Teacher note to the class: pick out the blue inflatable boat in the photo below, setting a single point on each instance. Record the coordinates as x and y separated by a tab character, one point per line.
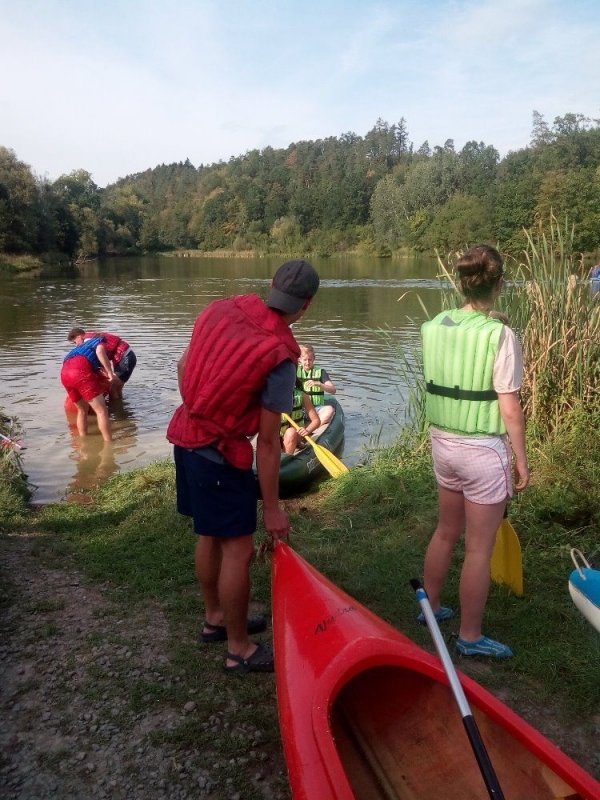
584	588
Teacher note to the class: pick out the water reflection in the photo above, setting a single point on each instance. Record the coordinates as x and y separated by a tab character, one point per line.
96	463
96	460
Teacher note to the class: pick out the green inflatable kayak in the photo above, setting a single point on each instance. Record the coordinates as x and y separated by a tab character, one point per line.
301	468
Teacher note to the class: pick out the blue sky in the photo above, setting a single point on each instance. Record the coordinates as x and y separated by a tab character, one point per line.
118	86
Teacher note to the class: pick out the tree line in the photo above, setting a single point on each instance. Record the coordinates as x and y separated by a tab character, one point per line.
372	194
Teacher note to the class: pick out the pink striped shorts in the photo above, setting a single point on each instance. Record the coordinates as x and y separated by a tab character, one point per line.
479	467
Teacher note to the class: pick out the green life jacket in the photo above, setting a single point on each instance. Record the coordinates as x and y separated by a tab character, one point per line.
297	413
316	393
459	350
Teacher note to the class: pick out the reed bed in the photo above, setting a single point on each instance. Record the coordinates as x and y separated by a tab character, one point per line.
558	319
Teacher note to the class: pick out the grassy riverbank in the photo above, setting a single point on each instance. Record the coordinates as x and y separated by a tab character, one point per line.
14	492
368	533
400	252
32	266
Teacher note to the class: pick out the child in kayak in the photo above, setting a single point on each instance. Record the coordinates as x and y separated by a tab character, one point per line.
315	382
305	414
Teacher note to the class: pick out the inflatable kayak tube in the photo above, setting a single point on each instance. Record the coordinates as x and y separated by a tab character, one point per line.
584	588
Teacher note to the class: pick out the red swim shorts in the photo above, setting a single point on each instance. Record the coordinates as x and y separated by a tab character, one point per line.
80	380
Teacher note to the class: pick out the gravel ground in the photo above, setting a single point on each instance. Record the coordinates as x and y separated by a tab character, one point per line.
82	700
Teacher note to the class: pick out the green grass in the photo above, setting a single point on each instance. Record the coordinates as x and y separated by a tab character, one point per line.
14	492
367	532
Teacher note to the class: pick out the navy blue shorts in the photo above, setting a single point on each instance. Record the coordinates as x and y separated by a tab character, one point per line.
126	365
221	499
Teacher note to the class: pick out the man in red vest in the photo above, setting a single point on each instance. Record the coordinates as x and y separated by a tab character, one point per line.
236	378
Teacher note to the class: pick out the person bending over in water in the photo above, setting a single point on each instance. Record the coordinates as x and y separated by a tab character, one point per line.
87	375
119	352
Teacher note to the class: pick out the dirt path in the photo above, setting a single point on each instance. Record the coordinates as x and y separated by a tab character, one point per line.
86	700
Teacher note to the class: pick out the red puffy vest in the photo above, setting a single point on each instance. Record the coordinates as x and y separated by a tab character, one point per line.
235	344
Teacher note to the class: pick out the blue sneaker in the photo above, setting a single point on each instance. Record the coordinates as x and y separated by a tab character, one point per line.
441	615
483	647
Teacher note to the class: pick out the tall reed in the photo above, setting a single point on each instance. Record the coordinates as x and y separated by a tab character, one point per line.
558	320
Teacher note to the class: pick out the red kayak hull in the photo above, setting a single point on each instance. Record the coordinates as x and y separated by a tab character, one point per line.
338	662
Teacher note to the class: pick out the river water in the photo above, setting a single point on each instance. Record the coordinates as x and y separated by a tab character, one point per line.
357	322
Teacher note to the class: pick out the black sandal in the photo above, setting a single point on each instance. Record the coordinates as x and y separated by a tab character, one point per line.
261	660
218	633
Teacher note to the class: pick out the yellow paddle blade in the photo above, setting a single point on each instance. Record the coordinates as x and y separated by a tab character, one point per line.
507	565
332	463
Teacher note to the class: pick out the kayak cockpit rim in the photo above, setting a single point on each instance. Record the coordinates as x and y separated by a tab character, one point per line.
390	717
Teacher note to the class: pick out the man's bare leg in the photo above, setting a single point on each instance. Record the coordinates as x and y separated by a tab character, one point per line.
234	593
208	567
82	417
325	413
99	406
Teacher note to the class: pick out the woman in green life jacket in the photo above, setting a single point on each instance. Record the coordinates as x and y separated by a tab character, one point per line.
473	368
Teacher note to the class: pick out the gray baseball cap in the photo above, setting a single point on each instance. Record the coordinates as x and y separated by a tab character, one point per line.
293	284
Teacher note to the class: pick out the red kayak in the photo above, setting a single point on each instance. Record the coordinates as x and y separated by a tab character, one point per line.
365	713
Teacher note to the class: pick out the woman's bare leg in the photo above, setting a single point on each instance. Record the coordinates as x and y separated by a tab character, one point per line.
480	537
451	523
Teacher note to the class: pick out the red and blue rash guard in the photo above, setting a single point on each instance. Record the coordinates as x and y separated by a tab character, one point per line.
88	350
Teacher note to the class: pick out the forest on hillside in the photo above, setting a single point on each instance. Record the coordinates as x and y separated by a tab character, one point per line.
374	194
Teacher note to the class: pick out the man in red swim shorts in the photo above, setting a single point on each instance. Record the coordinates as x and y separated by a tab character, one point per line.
86	375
